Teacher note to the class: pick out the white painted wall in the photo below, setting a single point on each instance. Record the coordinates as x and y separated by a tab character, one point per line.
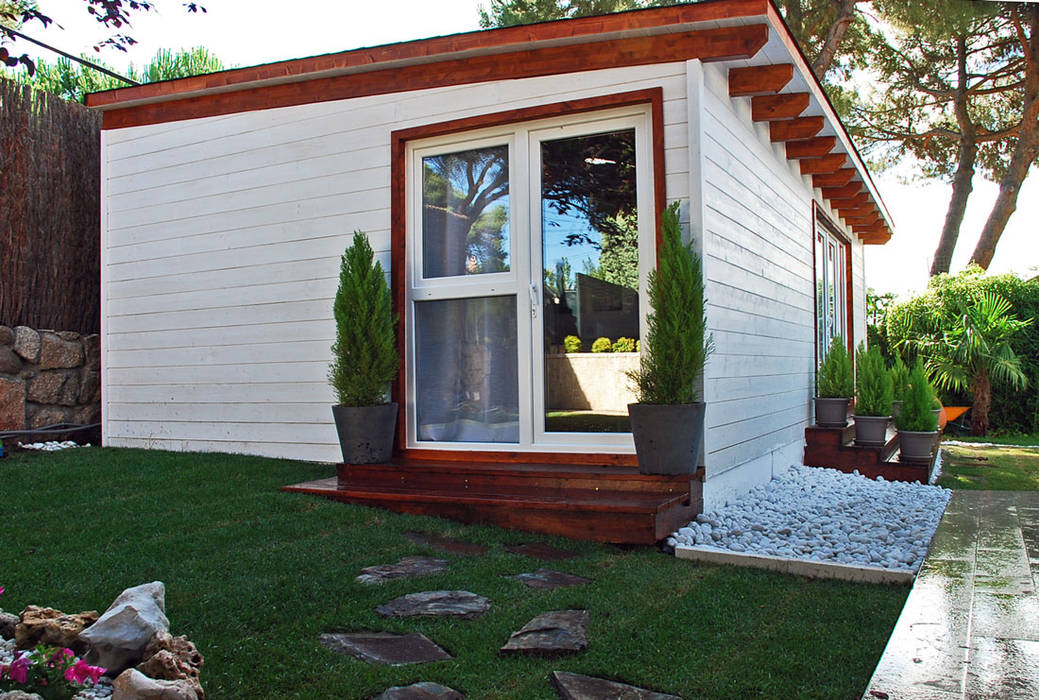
755	222
221	248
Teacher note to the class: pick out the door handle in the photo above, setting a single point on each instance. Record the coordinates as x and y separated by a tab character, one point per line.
534	303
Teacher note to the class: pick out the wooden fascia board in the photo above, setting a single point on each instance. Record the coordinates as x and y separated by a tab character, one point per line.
801	63
723	43
823	164
759	80
788	105
810	148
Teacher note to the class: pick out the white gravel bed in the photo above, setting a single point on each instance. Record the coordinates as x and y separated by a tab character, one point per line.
826	515
52	446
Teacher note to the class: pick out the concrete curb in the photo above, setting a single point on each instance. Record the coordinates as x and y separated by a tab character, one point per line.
797	567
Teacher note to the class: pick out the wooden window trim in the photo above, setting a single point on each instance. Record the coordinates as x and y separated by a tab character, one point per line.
654	97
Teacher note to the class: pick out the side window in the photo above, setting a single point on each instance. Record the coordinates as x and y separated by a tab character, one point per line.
831	286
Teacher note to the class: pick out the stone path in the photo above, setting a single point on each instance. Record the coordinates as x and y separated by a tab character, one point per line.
405	568
537	550
385	648
547	579
970	627
551	634
463	604
574	686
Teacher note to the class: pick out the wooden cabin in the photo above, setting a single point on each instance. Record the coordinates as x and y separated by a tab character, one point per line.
511	181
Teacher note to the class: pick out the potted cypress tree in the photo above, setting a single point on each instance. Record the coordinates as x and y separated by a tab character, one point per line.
899	381
834	386
667	422
873	397
364	357
917	424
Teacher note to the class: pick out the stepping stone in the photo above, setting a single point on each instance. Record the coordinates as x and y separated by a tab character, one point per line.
437	604
420	691
446	544
547	579
406	567
385	648
551	634
537	550
574	686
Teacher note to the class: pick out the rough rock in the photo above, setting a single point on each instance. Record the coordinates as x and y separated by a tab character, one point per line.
173	658
6	335
86	415
385	648
49	626
8	622
19	695
550	634
420	691
27	343
54	388
574	686
537	550
547	579
446	544
56	353
462	604
119	638
90	386
9	362
68	335
92	352
408	566
12	404
134	685
47	415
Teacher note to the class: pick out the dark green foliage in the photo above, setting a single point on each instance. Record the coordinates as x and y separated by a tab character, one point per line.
874	392
1012	410
364	354
834	380
624	345
677	343
915	413
253	575
572	343
602	345
899	377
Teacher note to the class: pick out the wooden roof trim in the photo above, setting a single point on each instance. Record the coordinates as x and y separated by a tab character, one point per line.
759	80
504	40
836	179
785	105
791	129
849	202
823	164
848	190
810	148
723	43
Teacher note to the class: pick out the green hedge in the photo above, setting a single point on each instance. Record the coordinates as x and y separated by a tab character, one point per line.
1012	411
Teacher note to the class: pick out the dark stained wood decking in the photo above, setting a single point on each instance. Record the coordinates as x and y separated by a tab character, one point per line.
834	448
605	504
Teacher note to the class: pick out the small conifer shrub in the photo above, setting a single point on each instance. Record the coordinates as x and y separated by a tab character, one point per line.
834	379
916	412
874	393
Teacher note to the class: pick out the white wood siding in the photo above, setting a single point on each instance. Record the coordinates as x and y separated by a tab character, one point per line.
221	244
757	236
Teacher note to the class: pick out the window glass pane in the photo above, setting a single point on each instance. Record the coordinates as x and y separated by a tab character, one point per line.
820	296
465	212
589	225
466	378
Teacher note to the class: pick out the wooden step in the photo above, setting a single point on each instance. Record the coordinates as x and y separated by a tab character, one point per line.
606	504
822	449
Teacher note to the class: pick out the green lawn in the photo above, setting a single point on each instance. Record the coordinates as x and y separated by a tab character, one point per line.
990	468
1026	440
253	575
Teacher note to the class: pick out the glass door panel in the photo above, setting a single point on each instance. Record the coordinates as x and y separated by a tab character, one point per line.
590	280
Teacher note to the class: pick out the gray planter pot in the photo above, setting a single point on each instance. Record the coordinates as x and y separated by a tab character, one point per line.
916	447
871	431
831	413
667	437
366	432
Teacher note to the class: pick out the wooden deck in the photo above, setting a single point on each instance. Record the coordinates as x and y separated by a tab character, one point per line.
602	503
835	448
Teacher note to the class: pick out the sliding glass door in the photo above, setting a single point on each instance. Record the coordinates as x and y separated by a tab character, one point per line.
526	246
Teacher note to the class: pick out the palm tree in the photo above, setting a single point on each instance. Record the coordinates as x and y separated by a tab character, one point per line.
974	351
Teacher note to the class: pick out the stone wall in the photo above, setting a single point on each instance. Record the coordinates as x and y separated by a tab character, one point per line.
590	381
48	377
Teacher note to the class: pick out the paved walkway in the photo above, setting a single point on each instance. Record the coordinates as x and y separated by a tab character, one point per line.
970	627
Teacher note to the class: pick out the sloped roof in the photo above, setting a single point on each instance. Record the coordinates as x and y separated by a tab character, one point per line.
749	37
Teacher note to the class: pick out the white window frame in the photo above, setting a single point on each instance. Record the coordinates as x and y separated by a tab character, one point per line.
525	253
834	277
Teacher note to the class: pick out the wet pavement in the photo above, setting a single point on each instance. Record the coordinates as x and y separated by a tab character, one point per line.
970	627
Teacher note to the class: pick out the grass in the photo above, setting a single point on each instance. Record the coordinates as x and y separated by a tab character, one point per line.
253	576
1023	440
990	468
587	422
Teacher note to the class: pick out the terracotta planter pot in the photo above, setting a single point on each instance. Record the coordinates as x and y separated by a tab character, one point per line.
831	413
366	432
667	437
871	431
916	447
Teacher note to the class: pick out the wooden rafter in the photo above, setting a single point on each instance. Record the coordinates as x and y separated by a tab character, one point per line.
837	179
759	80
791	129
848	190
850	202
786	106
810	148
823	164
862	222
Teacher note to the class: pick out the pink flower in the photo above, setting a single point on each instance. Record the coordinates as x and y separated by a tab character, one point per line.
1	590
79	672
19	670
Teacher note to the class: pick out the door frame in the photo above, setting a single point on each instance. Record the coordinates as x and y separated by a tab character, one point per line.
399	234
